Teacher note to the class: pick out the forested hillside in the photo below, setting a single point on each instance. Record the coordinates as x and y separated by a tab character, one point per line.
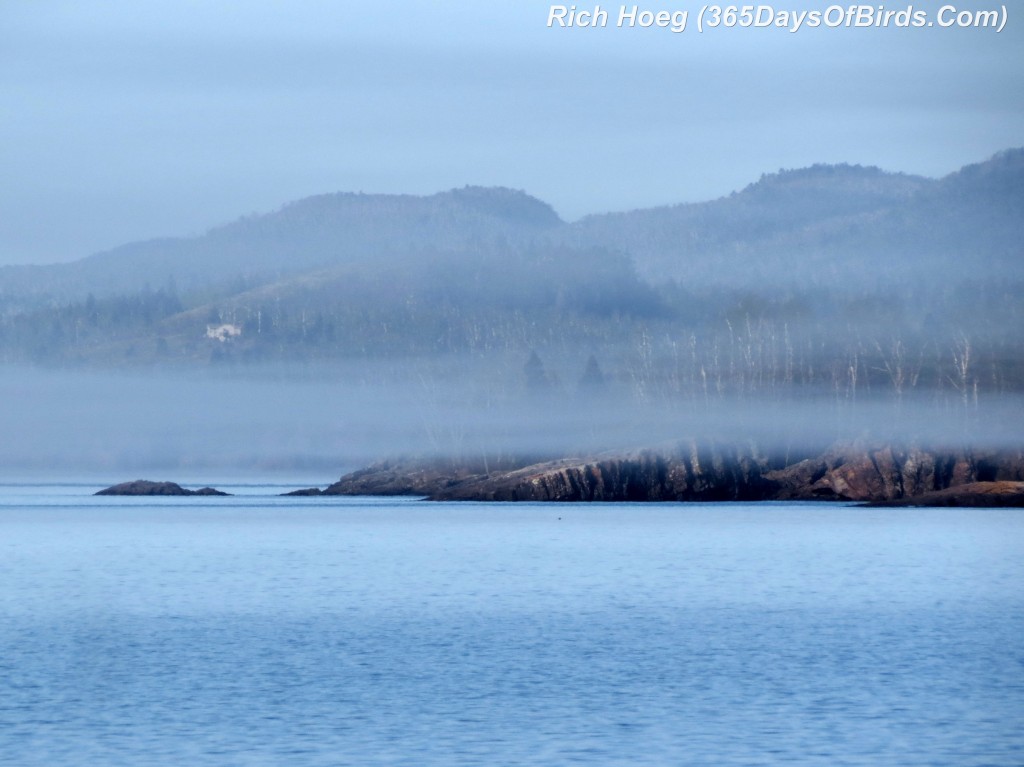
828	225
838	280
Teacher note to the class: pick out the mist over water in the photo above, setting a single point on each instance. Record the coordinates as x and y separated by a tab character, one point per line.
831	303
335	418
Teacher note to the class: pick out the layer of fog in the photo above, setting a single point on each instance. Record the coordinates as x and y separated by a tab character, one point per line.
319	425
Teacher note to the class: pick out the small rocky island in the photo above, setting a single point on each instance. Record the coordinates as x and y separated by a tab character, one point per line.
146	487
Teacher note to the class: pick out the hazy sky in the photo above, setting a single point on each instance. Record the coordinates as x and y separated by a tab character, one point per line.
124	120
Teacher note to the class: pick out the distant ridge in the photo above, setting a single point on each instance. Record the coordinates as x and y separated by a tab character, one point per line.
854	222
309	234
834	222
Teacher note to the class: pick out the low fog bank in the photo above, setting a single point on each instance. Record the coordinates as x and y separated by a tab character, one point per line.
322	422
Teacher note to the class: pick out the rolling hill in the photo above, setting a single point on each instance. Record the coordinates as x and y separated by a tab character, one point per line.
839	276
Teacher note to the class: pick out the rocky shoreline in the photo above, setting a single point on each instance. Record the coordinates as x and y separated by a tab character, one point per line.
688	471
975	495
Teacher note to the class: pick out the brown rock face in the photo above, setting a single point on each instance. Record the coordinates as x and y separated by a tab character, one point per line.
1000	494
688	471
684	472
882	473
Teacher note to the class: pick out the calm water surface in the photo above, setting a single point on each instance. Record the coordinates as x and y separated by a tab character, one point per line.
264	631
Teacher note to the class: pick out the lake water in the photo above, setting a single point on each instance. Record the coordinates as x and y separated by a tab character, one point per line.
266	631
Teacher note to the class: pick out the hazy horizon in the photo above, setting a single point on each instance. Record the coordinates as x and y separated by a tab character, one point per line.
137	123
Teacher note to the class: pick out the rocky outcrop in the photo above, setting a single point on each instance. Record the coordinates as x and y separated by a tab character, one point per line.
689	471
685	472
306	491
885	473
146	487
975	494
418	477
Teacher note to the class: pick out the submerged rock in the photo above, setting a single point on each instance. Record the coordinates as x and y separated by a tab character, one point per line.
146	487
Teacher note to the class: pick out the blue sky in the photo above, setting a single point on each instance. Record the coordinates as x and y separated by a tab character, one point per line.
129	120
